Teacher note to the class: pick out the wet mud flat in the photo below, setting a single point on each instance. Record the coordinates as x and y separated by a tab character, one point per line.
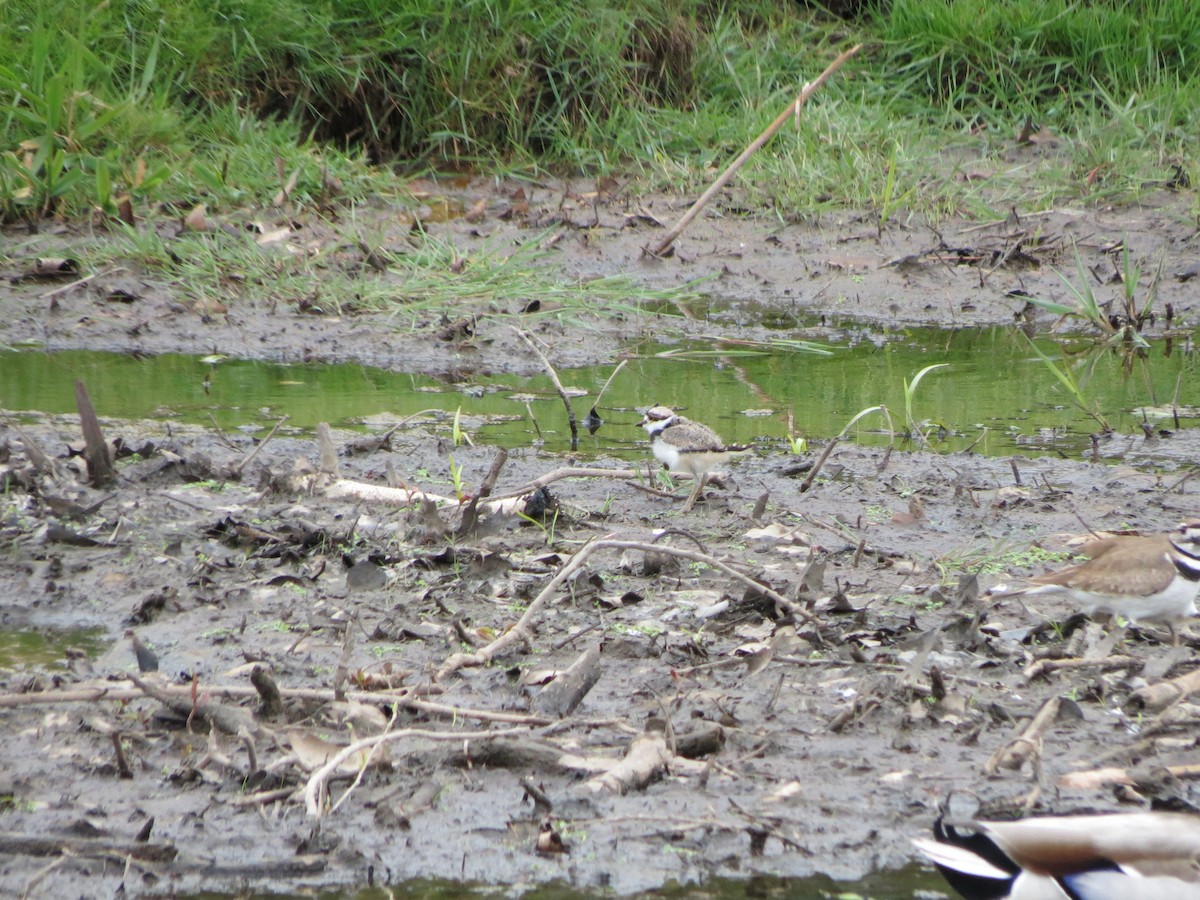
778	681
760	277
781	681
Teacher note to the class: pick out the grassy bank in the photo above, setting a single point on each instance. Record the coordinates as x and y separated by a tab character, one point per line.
228	102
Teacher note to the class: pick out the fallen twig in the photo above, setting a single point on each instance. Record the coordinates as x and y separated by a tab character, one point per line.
1164	693
237	470
12	843
1028	744
314	791
647	758
1045	666
522	631
558	385
793	109
470	516
1097	778
59	291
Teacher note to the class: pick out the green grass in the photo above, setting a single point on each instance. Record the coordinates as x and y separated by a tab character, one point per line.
426	279
164	105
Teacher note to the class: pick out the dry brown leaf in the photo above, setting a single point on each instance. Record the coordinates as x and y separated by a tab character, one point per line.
197	219
476	213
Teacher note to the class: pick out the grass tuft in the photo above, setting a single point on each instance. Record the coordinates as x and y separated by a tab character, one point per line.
176	103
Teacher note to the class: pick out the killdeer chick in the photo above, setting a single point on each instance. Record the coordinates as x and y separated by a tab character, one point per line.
686	446
1144	579
1145	855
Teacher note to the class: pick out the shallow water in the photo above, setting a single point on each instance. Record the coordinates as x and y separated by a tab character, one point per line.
995	396
25	648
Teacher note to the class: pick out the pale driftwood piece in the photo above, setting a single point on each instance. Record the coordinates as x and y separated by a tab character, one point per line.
390	496
1095	778
1042	667
558	385
327	458
314	791
522	631
561	696
1098	778
1177	716
793	109
99	460
12	843
646	760
1164	693
1027	745
506	503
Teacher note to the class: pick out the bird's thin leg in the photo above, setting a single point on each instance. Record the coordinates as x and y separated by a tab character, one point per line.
695	495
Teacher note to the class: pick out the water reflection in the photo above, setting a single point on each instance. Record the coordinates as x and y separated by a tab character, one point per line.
998	394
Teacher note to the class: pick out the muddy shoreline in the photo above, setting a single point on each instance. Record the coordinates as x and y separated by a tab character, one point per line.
836	739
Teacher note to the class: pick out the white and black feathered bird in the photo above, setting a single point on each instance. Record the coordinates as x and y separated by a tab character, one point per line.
1151	578
1132	856
686	446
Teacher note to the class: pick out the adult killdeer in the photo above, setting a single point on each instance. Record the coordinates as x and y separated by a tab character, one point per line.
1144	579
1146	855
686	446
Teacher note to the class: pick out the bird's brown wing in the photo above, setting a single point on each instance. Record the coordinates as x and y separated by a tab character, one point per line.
1137	566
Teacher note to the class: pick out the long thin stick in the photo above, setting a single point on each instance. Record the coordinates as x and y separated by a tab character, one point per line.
253	453
793	109
558	385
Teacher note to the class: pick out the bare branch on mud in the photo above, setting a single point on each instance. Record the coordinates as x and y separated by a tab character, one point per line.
314	791
1044	667
568	472
558	385
1164	693
646	760
230	719
184	692
1098	778
569	687
41	460
1028	744
1176	717
522	631
793	109
53	845
363	766
240	467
